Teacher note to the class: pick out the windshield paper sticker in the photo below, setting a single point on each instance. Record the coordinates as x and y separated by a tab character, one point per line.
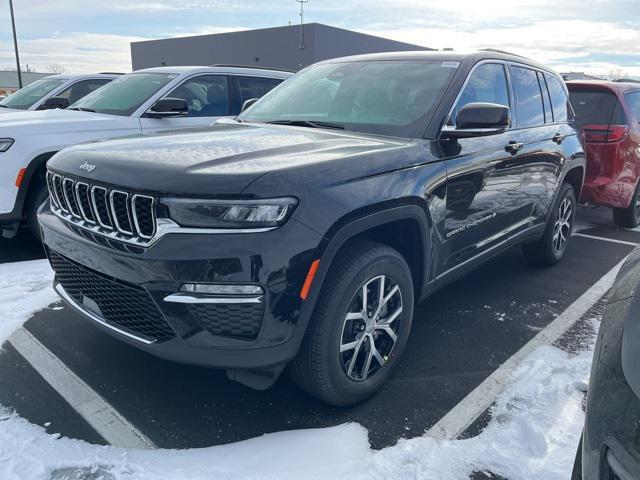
450	64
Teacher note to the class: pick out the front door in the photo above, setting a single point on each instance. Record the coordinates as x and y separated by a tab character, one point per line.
208	97
484	177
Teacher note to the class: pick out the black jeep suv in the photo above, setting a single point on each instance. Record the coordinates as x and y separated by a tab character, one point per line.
303	232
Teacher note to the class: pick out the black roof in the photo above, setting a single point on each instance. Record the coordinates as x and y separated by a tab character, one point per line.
444	55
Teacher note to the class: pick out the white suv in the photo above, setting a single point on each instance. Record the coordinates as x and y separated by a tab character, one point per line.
55	91
145	101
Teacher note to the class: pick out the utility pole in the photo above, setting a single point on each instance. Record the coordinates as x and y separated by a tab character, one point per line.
15	43
302	2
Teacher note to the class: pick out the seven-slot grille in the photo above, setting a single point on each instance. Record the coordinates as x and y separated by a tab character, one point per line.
105	210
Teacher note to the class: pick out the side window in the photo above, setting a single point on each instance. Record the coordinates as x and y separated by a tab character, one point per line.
559	99
487	83
633	99
548	116
206	95
255	87
82	88
526	89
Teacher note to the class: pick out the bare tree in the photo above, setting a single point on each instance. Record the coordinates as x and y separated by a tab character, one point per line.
56	68
28	68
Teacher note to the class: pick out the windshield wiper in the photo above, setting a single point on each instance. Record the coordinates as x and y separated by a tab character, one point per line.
307	123
82	109
4	106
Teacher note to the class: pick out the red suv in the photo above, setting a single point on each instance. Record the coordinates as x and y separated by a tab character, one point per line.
609	114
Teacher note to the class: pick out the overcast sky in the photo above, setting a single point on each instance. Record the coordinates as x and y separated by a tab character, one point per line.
596	36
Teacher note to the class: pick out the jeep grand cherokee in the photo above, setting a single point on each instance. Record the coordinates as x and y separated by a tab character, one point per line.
303	232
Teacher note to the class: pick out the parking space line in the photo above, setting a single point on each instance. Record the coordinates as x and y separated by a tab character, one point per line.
605	239
458	419
103	417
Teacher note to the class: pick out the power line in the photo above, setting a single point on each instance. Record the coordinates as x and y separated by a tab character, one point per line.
302	2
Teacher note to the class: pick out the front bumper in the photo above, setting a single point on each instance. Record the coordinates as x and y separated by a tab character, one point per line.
277	261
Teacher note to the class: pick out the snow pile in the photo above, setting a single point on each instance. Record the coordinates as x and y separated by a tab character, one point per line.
533	433
25	288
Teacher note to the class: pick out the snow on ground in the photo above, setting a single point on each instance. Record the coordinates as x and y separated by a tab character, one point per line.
533	433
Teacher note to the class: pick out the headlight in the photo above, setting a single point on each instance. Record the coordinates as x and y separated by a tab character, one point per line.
229	213
5	144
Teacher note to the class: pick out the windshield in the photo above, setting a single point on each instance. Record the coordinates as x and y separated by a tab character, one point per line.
386	97
27	96
124	95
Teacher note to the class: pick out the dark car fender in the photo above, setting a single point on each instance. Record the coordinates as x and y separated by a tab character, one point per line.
348	228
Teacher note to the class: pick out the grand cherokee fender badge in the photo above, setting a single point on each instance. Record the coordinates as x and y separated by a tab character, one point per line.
468	226
87	167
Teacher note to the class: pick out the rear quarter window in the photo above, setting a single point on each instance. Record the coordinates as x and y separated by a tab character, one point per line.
633	100
596	106
559	100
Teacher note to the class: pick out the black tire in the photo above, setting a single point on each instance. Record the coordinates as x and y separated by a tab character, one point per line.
37	195
629	217
320	368
550	249
576	474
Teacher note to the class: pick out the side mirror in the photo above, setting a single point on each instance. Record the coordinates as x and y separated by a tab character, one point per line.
249	103
54	102
168	107
479	119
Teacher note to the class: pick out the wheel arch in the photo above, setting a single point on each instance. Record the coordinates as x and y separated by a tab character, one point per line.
36	167
404	227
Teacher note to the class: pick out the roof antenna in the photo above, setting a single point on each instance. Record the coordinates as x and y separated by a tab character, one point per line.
302	2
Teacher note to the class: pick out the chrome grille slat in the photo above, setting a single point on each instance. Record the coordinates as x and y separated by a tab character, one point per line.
147	229
96	201
52	193
117	214
82	197
57	187
117	202
68	190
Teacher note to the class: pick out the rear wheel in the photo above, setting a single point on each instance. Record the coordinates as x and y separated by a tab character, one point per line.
629	217
359	327
550	249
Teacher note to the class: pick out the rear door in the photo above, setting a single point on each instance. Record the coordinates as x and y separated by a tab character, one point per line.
484	176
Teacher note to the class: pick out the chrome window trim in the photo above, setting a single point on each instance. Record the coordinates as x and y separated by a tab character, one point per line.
193	299
82	212
67	298
112	194
96	210
135	215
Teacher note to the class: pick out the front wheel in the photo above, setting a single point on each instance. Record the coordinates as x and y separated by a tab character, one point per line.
359	327
550	249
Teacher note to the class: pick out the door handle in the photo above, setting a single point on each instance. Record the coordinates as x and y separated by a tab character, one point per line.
514	147
558	138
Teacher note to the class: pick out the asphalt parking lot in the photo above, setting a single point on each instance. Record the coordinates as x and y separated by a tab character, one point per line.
460	336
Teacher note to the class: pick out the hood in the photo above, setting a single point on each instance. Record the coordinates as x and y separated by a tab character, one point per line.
52	121
218	160
11	110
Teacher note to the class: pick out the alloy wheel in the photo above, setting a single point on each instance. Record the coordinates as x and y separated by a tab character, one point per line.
562	227
370	328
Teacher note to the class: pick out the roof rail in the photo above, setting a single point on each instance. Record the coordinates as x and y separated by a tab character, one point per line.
111	73
228	65
495	50
626	80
